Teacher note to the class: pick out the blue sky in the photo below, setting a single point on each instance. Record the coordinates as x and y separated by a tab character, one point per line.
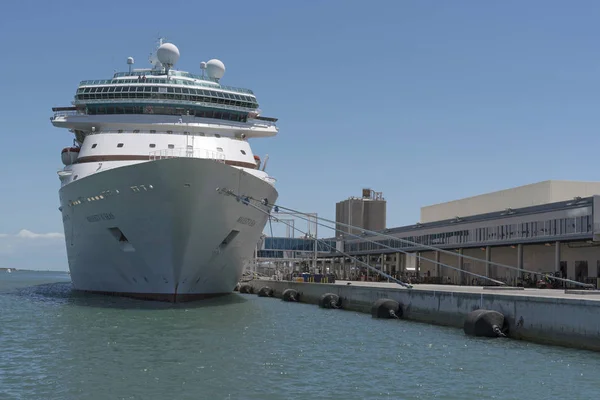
426	101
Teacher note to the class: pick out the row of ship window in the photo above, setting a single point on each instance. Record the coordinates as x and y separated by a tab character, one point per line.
508	232
173	93
166	110
170	146
166	89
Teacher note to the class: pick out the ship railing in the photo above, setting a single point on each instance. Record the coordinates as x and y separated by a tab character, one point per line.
171	81
155	101
69	113
160	72
187	153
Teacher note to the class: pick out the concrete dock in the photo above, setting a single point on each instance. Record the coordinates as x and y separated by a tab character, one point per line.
550	316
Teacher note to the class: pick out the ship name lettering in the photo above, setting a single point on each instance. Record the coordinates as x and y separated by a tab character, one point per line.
100	217
246	221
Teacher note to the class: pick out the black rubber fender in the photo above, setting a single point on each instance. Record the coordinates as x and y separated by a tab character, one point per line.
246	288
386	308
486	323
265	291
330	300
290	295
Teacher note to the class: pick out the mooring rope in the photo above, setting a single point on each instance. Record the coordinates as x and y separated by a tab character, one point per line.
413	254
246	200
276	207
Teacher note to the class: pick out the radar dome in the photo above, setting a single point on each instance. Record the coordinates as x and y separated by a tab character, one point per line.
215	68
167	54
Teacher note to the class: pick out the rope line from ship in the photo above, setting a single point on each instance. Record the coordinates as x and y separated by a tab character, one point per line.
408	253
247	200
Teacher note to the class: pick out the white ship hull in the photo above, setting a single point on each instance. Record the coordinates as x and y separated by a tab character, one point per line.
160	230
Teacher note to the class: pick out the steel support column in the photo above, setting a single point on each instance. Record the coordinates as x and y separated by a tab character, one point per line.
488	258
519	261
461	265
556	256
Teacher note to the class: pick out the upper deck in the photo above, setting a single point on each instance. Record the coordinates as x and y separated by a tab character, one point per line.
172	89
156	95
187	79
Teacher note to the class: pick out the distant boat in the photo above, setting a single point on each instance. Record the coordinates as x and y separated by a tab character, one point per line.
9	270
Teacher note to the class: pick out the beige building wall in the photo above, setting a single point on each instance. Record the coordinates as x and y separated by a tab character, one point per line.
537	258
571	255
477	267
410	262
522	196
449	274
426	264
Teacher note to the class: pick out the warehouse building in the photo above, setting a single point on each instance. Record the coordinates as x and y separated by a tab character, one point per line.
547	227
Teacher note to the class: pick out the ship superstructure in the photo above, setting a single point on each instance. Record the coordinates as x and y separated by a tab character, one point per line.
140	208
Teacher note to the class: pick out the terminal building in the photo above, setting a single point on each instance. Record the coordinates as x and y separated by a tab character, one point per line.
547	227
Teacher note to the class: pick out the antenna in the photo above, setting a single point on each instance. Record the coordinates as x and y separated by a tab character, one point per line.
152	57
130	63
203	68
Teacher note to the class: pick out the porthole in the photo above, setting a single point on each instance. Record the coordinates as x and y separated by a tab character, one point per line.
220	149
120	145
94	145
171	146
152	145
243	152
217	135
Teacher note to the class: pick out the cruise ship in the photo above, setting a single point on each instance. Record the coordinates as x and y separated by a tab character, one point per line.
141	188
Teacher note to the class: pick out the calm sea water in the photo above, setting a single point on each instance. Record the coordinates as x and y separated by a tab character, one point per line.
57	344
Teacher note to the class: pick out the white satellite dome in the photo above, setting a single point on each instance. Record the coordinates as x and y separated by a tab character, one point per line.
167	54
215	69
